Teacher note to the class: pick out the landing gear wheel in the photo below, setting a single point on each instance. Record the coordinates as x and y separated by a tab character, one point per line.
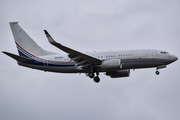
91	75
157	72
96	79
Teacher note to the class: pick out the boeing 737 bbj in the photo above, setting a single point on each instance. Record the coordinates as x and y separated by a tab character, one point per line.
114	63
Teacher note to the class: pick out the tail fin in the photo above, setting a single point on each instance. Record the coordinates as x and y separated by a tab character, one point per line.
25	44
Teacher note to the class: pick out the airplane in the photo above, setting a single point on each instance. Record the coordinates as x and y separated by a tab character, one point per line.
115	64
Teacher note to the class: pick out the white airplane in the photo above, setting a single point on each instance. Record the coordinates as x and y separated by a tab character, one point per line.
114	63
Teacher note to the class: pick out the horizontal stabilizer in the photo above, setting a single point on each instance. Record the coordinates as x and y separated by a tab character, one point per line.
17	58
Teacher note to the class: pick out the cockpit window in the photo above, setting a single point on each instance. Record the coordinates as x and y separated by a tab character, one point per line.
164	52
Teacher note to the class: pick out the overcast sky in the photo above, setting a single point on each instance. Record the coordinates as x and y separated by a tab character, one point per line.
91	25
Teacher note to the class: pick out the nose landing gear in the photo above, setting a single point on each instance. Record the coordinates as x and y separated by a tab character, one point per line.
157	72
159	67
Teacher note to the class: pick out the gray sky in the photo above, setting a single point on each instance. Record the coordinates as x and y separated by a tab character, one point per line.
91	25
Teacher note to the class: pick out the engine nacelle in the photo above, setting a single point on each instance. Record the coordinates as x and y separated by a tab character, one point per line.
118	73
114	64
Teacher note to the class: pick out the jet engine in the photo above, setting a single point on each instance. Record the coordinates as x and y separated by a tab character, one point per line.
114	64
118	73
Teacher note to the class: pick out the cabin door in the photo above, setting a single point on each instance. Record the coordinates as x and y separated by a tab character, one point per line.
152	54
45	62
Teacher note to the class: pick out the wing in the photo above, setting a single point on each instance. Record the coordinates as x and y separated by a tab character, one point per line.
80	58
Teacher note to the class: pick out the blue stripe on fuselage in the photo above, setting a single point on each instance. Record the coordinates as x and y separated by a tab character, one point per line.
35	62
22	54
41	63
145	60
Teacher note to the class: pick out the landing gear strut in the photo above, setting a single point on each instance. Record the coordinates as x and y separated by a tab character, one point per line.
97	79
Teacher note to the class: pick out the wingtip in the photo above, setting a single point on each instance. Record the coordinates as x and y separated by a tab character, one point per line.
47	34
45	31
50	39
4	52
13	22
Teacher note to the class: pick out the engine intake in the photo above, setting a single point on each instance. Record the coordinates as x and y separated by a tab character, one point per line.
118	73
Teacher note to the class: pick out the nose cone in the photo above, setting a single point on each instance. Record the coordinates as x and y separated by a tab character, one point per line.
174	58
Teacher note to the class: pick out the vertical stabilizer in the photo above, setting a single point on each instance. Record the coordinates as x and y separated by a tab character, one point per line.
25	44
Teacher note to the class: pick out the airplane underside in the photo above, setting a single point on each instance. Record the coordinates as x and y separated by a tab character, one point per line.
126	64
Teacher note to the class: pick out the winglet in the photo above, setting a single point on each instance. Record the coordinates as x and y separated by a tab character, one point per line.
50	39
13	22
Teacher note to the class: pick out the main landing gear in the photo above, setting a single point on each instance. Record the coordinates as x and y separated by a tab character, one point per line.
96	78
91	75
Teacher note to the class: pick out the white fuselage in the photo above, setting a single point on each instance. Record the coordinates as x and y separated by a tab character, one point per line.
114	63
130	59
